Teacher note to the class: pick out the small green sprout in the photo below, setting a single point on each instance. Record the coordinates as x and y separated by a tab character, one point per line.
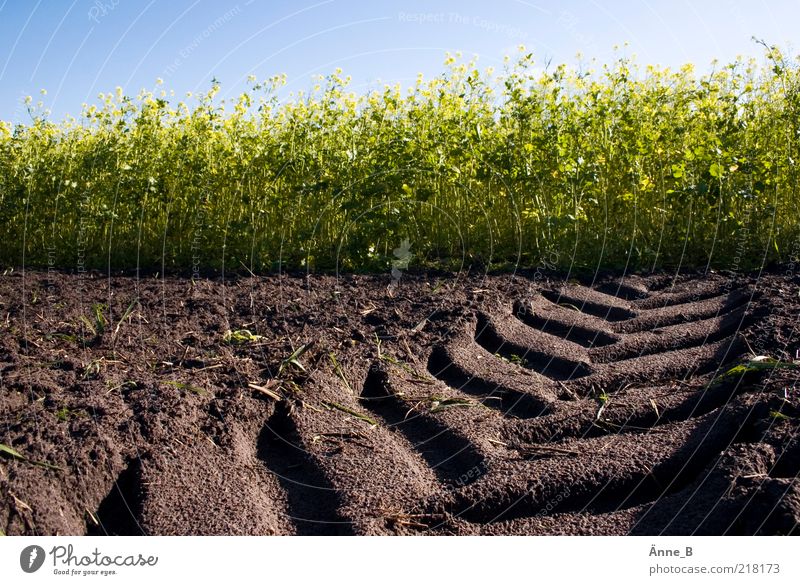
185	386
240	336
294	358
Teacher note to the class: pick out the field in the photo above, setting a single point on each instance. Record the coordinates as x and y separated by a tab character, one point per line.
544	300
583	166
438	403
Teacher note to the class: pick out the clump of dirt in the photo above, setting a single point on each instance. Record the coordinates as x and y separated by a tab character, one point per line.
439	404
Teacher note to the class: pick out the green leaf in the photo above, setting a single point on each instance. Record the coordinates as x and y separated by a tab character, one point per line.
17	455
125	315
185	386
757	364
240	336
352	412
294	359
11	451
443	403
715	170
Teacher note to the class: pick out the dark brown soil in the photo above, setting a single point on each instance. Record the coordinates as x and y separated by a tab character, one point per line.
449	404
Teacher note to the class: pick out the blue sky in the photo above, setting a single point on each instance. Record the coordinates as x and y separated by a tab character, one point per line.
78	48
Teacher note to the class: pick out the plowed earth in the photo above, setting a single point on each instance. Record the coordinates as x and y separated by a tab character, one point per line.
442	404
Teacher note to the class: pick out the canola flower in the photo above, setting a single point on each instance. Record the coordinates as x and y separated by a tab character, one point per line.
591	165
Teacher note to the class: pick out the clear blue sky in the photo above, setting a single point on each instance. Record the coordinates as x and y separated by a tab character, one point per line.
78	48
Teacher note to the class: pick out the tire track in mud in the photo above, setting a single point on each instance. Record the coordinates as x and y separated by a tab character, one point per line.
450	455
312	503
570	409
551	370
120	511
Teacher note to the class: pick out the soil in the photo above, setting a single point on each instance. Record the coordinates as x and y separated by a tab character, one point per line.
439	404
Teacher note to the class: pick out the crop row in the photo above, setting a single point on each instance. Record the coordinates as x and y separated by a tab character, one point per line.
585	165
